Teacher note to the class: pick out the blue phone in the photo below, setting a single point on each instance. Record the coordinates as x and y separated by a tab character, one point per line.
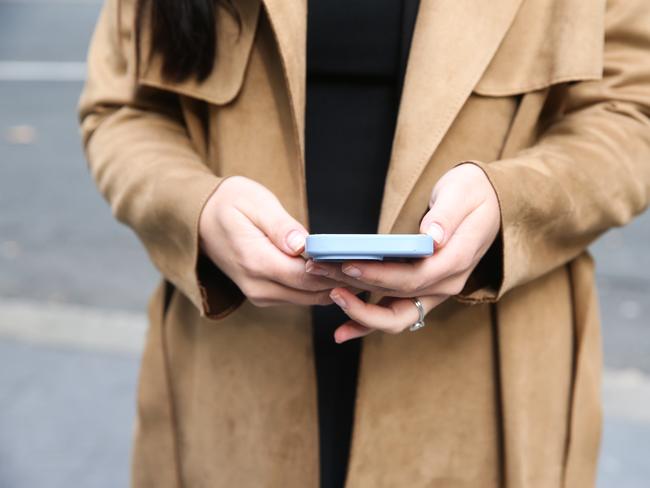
375	247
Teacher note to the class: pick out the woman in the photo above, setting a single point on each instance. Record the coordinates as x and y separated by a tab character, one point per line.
522	135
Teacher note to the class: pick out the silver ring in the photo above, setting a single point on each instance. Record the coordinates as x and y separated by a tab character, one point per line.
420	323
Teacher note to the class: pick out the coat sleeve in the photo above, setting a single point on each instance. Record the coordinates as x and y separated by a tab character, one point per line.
144	164
589	170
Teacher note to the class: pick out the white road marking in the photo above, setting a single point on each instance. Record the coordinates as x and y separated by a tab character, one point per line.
42	71
626	394
72	325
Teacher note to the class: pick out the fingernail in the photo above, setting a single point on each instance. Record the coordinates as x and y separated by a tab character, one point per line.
295	240
436	232
351	271
312	268
338	299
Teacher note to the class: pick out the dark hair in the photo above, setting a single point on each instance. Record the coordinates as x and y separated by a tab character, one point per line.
184	33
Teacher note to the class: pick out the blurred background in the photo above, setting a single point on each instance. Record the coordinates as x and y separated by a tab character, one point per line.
74	284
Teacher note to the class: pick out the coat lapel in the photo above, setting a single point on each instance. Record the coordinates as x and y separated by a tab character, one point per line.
453	43
289	22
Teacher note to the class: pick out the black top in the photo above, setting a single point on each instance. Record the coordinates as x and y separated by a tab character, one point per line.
356	58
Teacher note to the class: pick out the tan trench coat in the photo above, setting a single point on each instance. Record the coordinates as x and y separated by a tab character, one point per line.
502	386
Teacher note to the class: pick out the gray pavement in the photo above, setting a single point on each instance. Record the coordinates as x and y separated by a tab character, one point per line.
66	418
623	273
58	239
74	286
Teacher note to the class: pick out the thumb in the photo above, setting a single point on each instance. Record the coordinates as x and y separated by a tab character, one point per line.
285	232
447	210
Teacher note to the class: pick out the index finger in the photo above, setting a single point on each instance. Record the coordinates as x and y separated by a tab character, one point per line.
403	278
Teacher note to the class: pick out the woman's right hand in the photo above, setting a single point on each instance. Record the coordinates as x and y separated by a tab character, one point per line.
247	233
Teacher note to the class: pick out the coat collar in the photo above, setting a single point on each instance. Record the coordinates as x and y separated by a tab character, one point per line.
453	43
235	38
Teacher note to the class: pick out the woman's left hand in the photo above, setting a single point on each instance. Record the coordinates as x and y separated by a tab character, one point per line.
463	219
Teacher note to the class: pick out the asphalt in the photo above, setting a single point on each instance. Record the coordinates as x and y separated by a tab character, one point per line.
67	405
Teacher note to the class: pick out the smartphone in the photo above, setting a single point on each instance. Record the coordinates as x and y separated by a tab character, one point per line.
375	247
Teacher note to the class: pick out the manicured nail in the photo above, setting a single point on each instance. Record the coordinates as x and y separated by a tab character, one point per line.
338	299
295	240
351	271
314	269
436	232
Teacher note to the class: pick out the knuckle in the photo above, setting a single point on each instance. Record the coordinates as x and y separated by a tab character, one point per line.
393	330
255	294
304	281
249	262
465	261
239	257
323	298
412	284
457	261
247	289
456	287
404	293
258	302
369	278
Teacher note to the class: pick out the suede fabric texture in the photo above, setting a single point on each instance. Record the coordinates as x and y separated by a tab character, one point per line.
551	98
